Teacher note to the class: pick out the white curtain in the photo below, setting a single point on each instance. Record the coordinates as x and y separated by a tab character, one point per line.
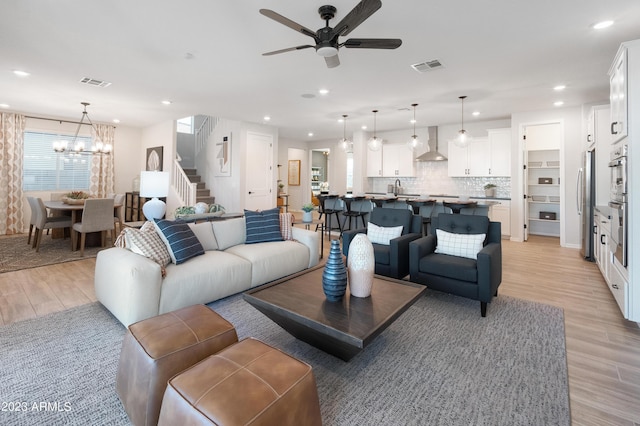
11	154
102	181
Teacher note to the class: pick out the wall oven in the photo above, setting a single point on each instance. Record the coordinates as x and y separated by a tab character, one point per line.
618	204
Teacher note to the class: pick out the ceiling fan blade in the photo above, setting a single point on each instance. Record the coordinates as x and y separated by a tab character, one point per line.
332	61
289	23
357	16
373	43
289	49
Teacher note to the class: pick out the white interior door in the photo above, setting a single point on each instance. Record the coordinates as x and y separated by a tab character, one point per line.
259	172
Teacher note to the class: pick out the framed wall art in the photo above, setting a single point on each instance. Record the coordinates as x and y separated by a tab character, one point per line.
154	159
294	173
223	157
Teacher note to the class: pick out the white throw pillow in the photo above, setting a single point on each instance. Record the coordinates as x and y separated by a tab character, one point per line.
204	234
381	235
229	232
461	245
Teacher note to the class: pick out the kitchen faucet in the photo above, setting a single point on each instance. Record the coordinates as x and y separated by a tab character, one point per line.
396	187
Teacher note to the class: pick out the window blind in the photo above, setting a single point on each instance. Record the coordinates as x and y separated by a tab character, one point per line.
47	170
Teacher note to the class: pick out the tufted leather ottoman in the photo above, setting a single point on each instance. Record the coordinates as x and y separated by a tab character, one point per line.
247	383
156	349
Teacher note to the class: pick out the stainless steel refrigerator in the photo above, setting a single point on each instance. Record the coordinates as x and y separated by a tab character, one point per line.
586	196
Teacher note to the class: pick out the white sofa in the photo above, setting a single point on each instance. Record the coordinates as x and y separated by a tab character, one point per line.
131	286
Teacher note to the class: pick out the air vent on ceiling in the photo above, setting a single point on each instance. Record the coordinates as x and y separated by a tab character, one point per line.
94	82
427	65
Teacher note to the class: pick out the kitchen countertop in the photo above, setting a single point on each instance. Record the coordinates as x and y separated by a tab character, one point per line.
436	196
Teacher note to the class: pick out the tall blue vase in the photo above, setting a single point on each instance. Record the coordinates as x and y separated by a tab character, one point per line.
334	276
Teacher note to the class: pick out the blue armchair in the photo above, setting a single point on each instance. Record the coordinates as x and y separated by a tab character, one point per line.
476	279
391	260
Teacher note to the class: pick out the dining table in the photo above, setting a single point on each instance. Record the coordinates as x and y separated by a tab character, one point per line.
74	209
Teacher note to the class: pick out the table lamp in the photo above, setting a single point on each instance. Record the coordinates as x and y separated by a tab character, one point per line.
154	185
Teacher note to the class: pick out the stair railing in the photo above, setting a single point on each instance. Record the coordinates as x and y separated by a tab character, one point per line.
204	132
186	189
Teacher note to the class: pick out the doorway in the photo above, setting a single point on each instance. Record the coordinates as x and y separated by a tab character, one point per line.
319	172
259	172
543	203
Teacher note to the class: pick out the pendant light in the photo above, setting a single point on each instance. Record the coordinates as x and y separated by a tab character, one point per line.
374	143
463	138
414	143
345	143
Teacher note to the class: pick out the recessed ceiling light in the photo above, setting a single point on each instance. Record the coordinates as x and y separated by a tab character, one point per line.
340	120
475	113
413	120
115	120
4	105
21	73
364	127
558	103
602	25
266	118
559	87
323	91
166	102
310	134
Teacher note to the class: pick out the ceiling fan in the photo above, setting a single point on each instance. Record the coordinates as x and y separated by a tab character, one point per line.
326	38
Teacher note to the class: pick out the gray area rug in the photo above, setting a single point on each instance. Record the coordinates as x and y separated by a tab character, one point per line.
16	254
440	363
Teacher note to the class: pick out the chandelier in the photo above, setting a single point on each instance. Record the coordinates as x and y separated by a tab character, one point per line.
77	146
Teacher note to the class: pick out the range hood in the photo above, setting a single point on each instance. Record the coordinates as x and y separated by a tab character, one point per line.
433	154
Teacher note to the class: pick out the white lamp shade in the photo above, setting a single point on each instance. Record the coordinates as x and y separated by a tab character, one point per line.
154	184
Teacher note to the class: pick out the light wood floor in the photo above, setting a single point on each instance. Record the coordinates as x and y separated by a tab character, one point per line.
603	350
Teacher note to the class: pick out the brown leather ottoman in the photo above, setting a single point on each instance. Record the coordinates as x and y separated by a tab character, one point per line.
247	383
156	349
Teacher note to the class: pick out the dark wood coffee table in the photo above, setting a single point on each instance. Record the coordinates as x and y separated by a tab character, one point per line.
343	329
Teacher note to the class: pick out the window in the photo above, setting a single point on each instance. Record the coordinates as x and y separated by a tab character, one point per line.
46	170
185	125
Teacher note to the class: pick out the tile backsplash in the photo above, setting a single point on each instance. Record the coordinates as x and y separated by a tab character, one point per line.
433	178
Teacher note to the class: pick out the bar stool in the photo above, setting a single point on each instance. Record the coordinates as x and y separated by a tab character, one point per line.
332	206
426	212
356	207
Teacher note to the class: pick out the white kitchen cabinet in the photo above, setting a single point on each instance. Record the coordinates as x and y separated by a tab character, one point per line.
473	160
543	192
397	161
502	213
601	244
374	163
618	95
599	137
500	156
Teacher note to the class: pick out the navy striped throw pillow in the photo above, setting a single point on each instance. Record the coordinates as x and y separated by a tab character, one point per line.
180	240
263	226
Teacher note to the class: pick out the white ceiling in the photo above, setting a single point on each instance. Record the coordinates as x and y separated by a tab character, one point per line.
206	57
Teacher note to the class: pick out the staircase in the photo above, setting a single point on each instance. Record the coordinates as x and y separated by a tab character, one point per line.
203	195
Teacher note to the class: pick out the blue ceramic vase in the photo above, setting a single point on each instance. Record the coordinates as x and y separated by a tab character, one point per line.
334	276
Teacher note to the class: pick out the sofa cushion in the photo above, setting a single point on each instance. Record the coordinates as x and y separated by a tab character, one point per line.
462	245
229	232
181	242
146	242
203	279
383	235
262	226
454	267
286	226
273	260
204	232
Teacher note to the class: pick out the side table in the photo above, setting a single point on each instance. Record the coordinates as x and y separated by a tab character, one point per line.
319	224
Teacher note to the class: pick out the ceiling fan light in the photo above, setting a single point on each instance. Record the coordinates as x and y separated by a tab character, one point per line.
327	51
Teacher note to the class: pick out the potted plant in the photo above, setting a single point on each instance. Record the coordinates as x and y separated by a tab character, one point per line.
490	190
307	216
281	188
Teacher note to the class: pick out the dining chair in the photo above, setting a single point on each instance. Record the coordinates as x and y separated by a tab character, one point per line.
33	218
118	200
97	216
43	221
